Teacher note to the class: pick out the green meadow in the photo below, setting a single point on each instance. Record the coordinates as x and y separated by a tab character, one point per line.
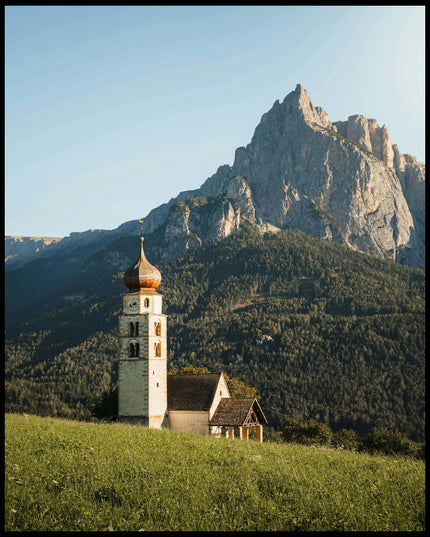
63	475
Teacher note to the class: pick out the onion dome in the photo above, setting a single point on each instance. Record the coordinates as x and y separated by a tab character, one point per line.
142	275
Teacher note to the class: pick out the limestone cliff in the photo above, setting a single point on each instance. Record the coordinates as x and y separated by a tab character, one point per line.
409	171
342	180
193	222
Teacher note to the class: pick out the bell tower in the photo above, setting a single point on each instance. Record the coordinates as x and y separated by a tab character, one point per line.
142	367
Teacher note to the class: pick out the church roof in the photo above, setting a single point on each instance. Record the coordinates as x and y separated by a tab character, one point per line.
191	392
142	275
232	412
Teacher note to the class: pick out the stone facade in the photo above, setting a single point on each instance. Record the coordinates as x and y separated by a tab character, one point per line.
142	368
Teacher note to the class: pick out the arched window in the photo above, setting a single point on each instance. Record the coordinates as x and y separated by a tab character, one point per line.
133	350
133	329
157	327
146	302
157	349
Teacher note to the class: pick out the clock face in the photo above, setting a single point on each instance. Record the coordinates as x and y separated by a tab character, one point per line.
133	304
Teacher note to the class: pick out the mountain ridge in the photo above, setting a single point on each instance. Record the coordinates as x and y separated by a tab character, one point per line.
340	180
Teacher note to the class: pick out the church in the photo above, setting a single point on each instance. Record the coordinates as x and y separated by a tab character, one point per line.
147	395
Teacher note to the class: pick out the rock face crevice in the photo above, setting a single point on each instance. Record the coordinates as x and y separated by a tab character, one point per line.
342	180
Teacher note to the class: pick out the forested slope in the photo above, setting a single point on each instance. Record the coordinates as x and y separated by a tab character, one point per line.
321	331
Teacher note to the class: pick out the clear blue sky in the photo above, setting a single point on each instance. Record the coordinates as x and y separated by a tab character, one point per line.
112	110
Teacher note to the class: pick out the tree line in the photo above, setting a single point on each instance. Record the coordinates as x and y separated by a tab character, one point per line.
379	440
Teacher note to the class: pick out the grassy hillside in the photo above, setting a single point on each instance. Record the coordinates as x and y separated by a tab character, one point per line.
321	331
73	476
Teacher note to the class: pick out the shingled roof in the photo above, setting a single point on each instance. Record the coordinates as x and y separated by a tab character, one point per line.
238	412
191	392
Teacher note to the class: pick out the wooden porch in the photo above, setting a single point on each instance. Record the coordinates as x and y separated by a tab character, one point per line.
239	418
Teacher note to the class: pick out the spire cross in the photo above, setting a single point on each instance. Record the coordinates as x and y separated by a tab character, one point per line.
141	229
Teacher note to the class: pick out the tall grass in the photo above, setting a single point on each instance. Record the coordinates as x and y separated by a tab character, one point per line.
76	476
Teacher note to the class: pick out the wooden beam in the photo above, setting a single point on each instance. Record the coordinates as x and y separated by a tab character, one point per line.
243	432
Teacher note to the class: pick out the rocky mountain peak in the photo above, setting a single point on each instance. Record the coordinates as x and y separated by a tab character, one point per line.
342	180
298	101
370	135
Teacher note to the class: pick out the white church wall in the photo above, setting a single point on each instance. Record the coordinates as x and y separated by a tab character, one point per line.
191	421
157	384
220	392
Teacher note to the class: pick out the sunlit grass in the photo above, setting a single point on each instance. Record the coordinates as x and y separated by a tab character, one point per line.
65	475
